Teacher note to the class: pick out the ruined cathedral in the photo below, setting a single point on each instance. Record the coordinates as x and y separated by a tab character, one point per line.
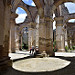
39	24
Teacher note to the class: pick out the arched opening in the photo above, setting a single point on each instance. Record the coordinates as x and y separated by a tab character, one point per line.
71	34
29	2
63	9
70	26
21	15
40	63
24	38
70	6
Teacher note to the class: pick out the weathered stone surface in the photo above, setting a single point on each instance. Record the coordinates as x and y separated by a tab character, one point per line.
39	20
4	34
40	64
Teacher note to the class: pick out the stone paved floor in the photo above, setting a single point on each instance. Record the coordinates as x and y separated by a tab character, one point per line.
19	55
64	54
68	70
40	64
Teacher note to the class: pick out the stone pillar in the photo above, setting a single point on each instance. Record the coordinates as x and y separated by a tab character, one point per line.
69	38
20	42
31	37
49	36
66	38
74	38
46	28
42	36
71	43
37	31
60	37
17	40
1	27
46	36
37	35
4	34
13	32
71	33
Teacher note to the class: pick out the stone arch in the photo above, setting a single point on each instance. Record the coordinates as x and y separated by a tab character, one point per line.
29	2
23	26
20	4
38	3
29	25
30	15
21	34
15	4
59	2
24	6
68	17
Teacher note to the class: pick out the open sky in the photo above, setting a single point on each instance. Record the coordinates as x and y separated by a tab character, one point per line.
22	14
71	8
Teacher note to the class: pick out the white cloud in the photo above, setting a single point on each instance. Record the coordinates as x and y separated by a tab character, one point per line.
20	18
71	20
70	6
53	15
54	23
33	4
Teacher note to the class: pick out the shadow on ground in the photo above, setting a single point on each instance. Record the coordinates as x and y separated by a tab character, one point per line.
69	70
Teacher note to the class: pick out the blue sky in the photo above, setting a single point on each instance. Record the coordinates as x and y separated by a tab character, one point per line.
22	14
20	11
70	6
29	2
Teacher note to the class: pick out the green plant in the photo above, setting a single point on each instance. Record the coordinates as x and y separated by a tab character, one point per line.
24	46
54	43
73	47
66	48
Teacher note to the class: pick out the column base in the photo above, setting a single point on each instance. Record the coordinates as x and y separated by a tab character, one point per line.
5	63
48	53
61	50
52	55
12	51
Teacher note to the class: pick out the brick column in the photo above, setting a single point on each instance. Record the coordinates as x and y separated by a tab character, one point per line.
60	37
